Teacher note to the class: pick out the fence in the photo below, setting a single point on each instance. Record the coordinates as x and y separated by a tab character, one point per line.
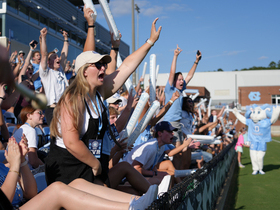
201	189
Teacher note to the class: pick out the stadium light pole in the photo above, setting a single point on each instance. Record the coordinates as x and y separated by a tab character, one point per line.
138	11
133	39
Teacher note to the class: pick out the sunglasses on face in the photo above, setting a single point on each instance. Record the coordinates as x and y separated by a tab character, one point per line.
40	112
98	65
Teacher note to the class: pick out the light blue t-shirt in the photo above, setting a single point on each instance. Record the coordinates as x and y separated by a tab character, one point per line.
19	194
144	136
175	111
37	83
258	146
260	131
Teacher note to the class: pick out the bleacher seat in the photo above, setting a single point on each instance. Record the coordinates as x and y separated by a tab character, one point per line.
10	117
47	133
12	129
41	181
2	156
40	135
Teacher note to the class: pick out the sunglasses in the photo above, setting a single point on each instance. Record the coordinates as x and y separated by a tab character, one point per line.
98	65
40	113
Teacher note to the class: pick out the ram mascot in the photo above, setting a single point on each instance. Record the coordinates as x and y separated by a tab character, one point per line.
259	120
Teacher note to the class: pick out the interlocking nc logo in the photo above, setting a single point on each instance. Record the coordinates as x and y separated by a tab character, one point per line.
254	96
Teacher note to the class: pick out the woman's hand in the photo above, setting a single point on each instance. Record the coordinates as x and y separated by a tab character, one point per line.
87	15
23	146
115	43
155	33
13	155
175	96
177	51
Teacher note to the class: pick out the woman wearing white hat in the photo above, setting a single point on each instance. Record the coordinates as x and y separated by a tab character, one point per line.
80	118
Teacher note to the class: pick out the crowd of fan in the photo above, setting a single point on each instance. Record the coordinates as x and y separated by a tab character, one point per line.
163	151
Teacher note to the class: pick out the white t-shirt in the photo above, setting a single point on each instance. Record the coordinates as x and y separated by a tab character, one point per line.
30	134
147	153
54	82
59	140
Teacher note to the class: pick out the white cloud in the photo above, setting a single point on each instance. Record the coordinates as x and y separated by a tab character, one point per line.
120	7
178	7
230	53
153	11
263	57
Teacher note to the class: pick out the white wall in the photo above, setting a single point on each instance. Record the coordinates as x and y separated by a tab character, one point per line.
223	85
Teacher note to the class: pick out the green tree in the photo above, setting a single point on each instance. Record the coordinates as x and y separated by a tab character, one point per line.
220	69
272	65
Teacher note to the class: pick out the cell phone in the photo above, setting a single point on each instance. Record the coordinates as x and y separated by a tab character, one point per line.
198	53
33	43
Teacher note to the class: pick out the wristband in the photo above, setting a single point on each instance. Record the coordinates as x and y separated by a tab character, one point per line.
3	98
91	26
23	164
150	42
66	40
171	101
115	49
15	172
196	63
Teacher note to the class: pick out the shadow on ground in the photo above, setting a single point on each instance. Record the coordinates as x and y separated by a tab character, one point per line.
270	167
233	191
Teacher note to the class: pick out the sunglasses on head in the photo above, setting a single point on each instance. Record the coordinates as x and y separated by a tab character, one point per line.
98	65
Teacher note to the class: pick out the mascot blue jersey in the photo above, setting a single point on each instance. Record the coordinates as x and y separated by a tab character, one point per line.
260	131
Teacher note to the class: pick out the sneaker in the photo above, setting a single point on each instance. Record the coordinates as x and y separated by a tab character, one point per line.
164	185
141	203
255	173
261	172
241	166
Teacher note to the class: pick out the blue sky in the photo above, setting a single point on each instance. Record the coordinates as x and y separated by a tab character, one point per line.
230	34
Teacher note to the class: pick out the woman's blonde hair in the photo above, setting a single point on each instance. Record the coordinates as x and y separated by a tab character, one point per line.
70	100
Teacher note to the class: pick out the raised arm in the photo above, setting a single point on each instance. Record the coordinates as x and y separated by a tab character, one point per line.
239	116
4	129
138	86
64	51
191	72
123	119
177	52
275	114
27	61
162	112
114	54
129	65
90	40
43	49
27	180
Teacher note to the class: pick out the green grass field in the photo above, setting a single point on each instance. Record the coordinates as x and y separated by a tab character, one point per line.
255	192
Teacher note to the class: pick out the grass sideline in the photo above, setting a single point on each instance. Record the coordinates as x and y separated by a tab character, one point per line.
260	191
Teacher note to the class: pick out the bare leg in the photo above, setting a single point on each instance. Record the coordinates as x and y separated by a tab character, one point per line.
239	157
59	195
124	169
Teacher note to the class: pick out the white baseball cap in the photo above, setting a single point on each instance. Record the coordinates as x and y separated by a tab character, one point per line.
90	57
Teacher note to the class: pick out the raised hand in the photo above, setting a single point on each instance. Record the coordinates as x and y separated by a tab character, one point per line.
155	33
13	155
177	51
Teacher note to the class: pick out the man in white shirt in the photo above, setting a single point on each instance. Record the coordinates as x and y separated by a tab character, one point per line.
52	74
146	157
